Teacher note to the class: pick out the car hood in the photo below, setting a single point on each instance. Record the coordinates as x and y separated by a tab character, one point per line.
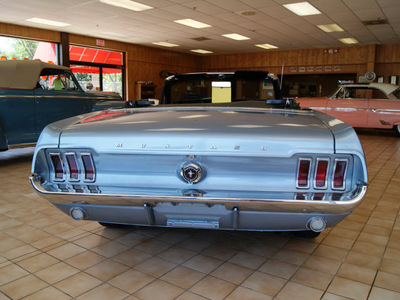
198	130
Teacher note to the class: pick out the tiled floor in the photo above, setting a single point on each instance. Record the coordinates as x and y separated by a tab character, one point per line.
47	255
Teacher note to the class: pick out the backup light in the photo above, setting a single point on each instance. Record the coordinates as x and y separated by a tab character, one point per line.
316	224
77	213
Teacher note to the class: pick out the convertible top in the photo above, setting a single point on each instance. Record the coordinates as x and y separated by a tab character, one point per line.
23	74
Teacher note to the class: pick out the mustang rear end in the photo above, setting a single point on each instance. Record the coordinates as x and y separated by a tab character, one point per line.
203	167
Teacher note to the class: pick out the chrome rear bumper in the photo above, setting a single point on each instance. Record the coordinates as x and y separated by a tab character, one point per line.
243	204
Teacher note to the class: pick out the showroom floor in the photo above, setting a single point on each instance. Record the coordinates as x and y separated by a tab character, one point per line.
47	255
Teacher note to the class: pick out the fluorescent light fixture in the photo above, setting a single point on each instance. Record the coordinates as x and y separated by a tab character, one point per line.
165	44
302	9
349	41
48	22
235	36
192	23
201	51
330	28
128	4
266	46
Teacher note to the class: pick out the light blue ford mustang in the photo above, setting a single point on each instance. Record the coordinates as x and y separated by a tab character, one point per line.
240	165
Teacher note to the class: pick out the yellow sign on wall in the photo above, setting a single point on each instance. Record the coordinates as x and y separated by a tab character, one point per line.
221	92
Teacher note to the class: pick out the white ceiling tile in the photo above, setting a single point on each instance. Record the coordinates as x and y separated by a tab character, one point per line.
388	3
361	5
370	14
272	23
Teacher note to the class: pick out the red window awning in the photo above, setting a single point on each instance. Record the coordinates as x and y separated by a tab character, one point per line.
92	55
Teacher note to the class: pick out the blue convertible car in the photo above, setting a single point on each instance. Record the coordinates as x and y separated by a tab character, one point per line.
227	155
34	94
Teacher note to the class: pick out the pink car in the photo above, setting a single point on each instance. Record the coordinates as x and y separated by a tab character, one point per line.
374	105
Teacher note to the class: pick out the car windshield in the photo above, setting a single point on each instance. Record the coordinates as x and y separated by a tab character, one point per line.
347	92
219	88
54	79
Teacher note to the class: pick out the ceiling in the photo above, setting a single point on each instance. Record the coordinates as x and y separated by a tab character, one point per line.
272	23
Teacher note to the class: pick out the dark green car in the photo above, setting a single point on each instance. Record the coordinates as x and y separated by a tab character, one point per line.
34	94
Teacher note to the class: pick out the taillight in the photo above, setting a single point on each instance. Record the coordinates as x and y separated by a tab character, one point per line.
73	166
321	174
88	167
339	174
303	173
57	166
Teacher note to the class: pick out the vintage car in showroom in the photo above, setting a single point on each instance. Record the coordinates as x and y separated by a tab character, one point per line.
34	94
373	105
235	163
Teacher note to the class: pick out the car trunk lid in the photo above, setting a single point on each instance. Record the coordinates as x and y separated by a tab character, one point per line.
241	131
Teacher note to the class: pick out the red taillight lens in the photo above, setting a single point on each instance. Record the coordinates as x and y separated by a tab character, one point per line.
339	174
303	173
320	174
89	167
73	166
57	166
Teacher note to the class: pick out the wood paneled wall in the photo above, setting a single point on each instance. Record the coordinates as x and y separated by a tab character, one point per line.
28	32
349	59
145	63
388	61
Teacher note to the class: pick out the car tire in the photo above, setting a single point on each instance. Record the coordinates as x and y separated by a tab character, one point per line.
397	129
309	234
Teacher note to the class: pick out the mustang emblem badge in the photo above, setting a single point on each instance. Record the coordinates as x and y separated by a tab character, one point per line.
191	173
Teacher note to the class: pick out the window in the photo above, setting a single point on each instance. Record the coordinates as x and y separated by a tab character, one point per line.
53	79
360	93
14	48
98	69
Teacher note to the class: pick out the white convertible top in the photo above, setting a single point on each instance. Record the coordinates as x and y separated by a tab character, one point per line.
23	74
384	87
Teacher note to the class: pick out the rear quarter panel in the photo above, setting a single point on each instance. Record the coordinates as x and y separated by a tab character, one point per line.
383	113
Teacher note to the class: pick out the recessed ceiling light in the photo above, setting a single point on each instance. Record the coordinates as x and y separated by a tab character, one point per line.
192	23
349	41
201	51
235	36
330	28
165	44
48	22
302	9
266	46
128	4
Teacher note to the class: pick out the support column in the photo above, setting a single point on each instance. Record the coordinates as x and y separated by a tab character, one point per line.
64	51
371	58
